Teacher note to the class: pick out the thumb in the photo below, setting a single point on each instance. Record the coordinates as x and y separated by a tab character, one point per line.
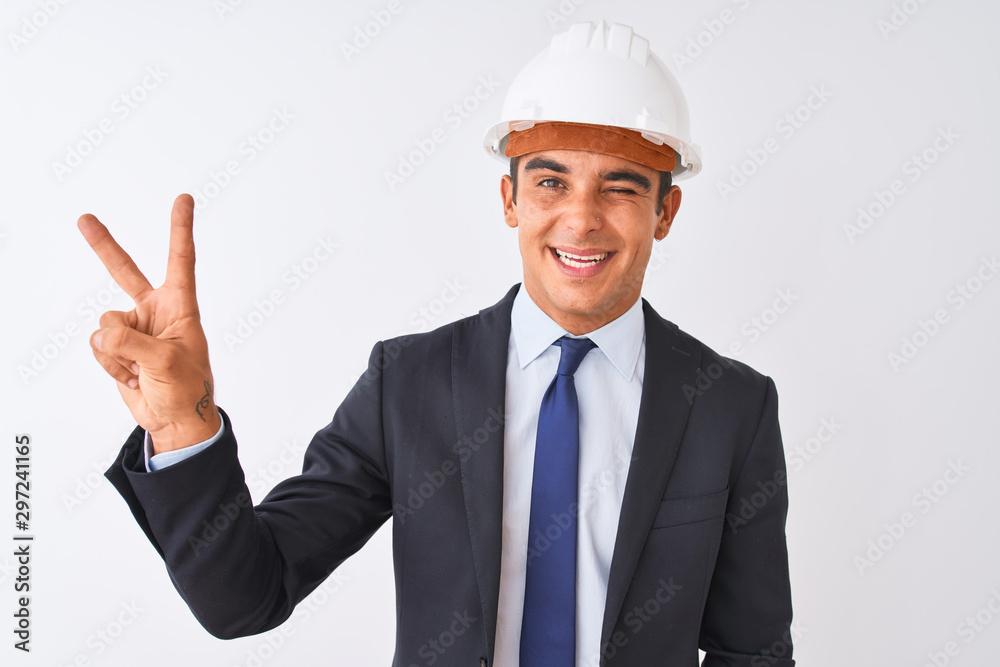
128	346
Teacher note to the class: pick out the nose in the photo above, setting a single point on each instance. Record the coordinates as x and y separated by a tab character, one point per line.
584	212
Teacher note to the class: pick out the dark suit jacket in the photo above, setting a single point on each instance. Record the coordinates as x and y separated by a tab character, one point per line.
700	556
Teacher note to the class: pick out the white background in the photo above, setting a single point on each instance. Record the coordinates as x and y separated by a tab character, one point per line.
899	427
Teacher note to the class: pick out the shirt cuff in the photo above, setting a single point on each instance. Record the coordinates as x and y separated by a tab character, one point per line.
156	462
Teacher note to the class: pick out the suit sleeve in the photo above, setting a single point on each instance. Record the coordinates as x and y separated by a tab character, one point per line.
242	569
748	613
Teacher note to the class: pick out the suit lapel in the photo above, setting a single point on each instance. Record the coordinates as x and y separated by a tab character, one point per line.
479	379
663	414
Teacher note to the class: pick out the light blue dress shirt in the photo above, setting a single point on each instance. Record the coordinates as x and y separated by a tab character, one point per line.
609	387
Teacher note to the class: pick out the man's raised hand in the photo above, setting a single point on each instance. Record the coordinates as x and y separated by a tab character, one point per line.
157	352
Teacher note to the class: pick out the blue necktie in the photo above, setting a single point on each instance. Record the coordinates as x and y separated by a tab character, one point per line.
548	628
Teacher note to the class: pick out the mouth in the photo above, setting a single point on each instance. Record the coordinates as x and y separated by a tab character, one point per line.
581	263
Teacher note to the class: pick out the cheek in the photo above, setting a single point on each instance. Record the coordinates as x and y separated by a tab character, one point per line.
542	202
533	226
642	257
536	213
531	245
637	237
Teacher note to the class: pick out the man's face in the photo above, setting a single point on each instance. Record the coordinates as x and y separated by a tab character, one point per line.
586	224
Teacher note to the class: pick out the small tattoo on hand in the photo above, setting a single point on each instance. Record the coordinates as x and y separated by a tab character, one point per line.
205	400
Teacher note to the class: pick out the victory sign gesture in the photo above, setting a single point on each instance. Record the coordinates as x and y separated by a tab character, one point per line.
157	352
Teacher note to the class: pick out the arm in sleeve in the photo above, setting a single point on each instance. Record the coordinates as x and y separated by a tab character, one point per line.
748	613
155	462
242	569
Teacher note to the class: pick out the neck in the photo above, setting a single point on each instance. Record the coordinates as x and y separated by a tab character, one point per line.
581	323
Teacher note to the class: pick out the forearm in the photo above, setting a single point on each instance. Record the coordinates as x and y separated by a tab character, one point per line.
199	515
240	568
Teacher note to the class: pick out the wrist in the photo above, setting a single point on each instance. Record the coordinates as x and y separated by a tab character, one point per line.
178	436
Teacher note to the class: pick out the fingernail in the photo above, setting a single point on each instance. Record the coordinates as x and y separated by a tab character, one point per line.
134	368
96	340
133	383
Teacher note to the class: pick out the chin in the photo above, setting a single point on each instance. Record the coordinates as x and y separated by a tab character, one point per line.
583	306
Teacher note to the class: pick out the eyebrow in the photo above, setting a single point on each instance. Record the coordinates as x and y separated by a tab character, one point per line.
629	176
546	163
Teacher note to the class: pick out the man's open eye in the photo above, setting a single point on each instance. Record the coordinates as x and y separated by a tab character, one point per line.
550	183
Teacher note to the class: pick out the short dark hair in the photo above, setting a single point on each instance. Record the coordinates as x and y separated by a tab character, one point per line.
666	180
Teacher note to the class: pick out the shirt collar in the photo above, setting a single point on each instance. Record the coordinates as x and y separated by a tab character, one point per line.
620	340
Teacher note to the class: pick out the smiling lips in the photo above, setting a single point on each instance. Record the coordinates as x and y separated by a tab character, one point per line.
581	263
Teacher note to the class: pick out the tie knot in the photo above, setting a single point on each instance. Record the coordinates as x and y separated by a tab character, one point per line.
573	352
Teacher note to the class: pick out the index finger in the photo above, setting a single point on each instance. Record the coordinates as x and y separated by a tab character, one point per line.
180	260
115	260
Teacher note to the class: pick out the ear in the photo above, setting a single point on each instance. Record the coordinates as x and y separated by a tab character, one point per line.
671	202
507	196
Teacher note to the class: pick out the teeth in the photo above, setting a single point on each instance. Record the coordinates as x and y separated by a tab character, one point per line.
579	261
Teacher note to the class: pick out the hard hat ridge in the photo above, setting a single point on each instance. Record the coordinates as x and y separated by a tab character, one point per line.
616	39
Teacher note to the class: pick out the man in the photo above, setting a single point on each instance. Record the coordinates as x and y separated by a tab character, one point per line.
557	467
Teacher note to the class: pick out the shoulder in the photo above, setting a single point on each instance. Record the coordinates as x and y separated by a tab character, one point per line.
488	329
716	376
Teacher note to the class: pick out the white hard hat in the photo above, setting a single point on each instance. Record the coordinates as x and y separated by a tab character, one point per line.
600	75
